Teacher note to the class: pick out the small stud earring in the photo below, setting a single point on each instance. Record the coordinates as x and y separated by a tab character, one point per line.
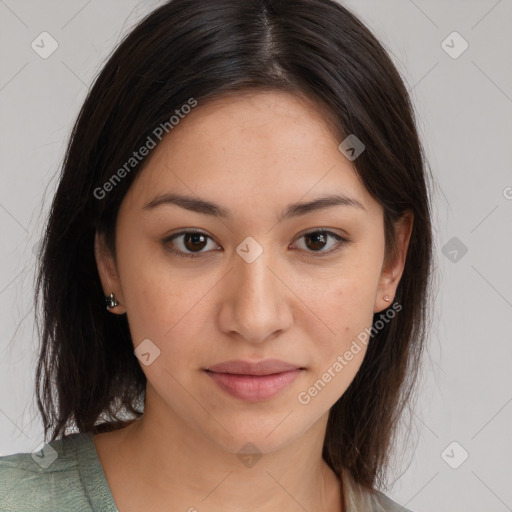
111	301
386	298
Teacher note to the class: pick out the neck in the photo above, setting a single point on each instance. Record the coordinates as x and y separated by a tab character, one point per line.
167	465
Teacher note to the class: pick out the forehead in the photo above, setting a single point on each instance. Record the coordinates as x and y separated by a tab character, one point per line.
252	146
279	120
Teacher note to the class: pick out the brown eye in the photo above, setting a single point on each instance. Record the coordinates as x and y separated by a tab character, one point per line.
194	241
190	243
316	241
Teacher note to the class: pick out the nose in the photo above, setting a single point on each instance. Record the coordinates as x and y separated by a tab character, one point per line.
256	300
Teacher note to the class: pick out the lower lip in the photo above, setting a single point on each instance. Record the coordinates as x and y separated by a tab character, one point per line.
254	388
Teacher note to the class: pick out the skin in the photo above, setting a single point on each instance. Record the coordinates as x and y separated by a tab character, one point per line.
254	154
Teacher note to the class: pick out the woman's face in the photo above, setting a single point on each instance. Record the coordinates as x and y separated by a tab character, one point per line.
263	281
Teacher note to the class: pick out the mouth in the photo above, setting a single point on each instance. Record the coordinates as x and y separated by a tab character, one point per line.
259	368
254	388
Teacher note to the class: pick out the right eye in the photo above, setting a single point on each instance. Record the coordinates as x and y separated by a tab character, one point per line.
189	241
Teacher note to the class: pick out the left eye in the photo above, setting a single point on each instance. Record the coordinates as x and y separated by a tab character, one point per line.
317	240
195	241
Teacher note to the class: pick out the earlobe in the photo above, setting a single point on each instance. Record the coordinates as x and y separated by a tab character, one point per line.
108	275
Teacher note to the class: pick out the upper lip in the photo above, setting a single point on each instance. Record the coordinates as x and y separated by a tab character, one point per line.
265	367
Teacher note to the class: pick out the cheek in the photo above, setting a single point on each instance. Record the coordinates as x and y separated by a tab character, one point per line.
336	357
165	309
344	307
157	297
345	302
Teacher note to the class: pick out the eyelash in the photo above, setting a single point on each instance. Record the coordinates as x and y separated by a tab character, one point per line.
341	242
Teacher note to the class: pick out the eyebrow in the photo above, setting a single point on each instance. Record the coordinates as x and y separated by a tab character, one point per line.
205	207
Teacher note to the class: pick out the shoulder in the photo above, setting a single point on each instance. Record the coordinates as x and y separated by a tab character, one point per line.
48	479
386	504
358	497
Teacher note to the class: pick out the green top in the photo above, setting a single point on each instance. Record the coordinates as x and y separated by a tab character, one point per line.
66	475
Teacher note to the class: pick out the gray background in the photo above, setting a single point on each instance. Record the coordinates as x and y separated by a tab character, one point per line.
464	108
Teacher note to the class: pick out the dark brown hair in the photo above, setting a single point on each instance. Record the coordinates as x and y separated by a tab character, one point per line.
87	374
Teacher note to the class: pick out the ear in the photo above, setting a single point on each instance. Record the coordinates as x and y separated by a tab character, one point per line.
108	272
394	264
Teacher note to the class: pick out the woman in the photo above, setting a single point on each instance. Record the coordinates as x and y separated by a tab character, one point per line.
245	191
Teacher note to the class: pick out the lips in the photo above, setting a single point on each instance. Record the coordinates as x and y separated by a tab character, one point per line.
265	367
253	382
